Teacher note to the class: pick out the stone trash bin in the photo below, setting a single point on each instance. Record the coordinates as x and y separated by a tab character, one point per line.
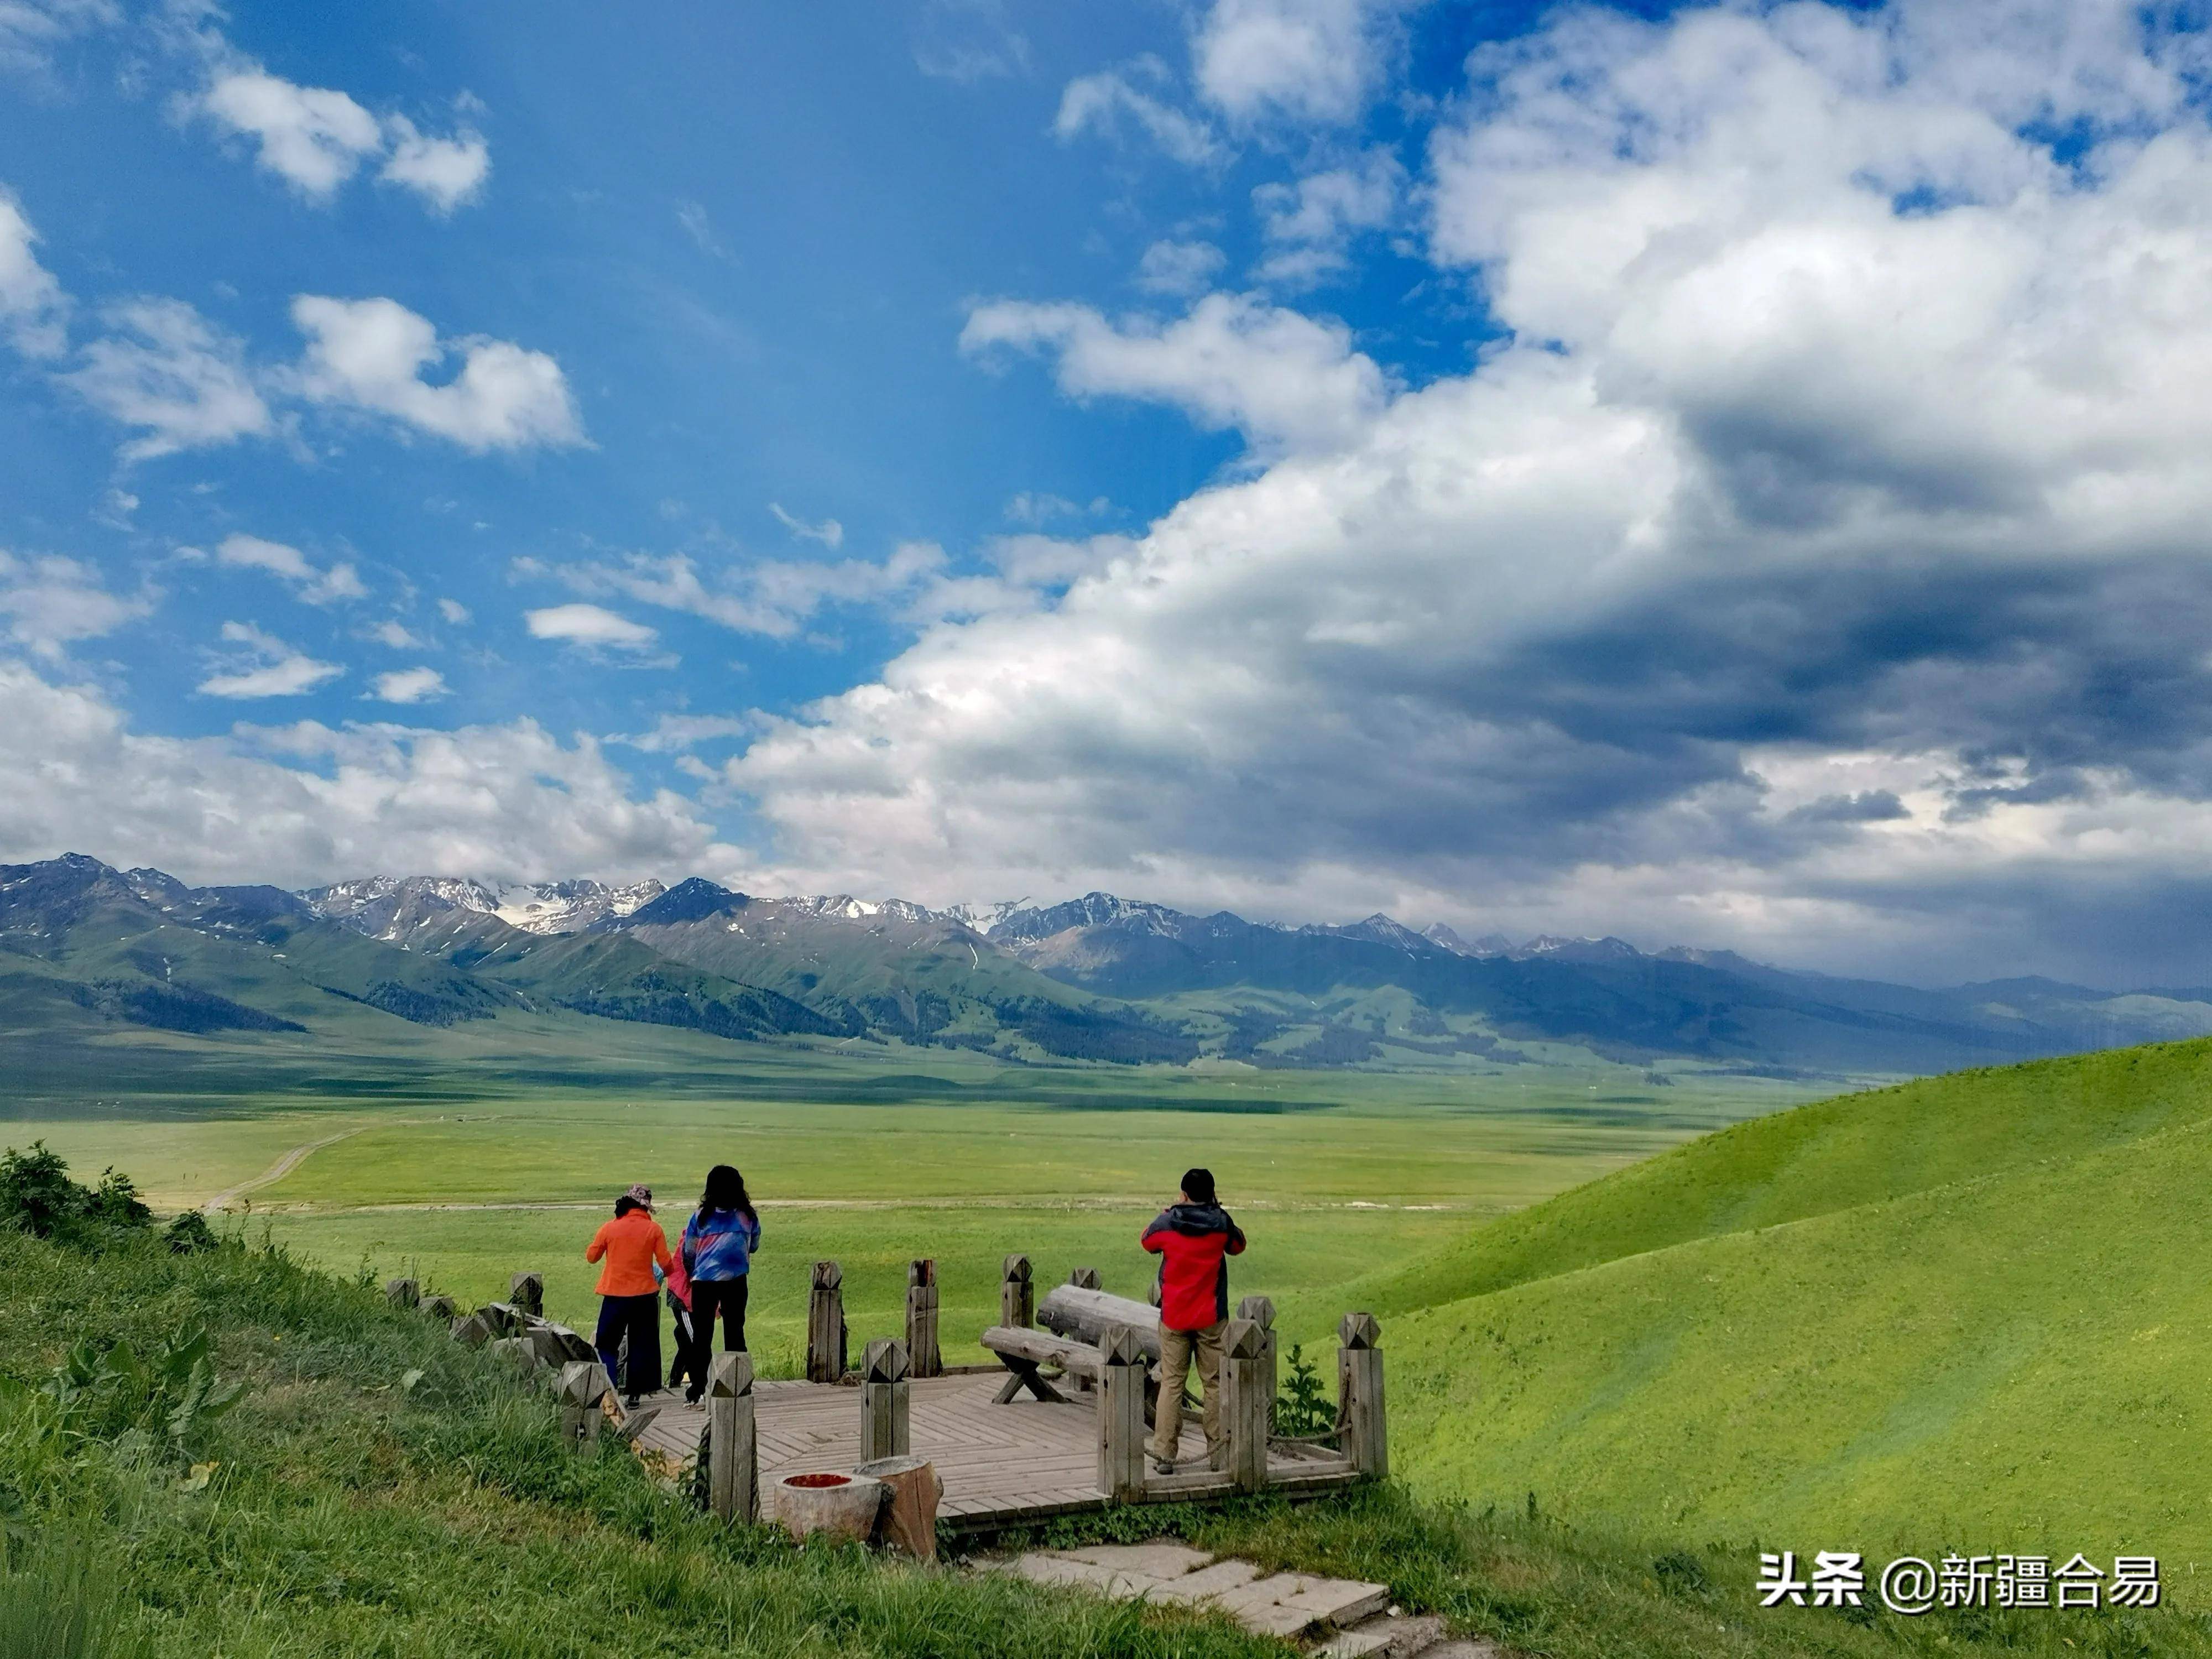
837	1506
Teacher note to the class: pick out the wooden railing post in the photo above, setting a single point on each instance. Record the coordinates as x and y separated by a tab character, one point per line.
1244	1402
526	1292
1359	1415
1085	1279
921	1350
825	1324
1260	1310
884	1373
1017	1294
583	1383
439	1307
403	1292
733	1454
1120	1416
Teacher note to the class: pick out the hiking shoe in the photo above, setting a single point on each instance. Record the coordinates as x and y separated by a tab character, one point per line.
1162	1466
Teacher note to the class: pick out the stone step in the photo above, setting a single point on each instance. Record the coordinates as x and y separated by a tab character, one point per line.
1391	1635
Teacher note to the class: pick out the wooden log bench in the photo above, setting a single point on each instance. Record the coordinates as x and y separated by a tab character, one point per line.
1024	1353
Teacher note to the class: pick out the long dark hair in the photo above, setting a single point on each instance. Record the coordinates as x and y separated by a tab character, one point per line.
726	1190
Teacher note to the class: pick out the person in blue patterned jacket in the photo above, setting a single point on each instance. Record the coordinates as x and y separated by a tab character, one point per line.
719	1241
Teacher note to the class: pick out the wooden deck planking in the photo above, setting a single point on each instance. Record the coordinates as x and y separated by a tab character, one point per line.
1029	1459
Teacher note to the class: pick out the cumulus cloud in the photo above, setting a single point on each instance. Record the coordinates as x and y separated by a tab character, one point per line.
1284	380
33	310
772	596
290	565
589	625
454	612
167	369
1309	224
305	804
262	665
1812	565
675	733
316	138
1111	100
409	685
1179	269
1308	60
372	355
46	604
446	172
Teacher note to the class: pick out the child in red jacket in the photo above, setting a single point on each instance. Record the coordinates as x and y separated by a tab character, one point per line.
1193	1238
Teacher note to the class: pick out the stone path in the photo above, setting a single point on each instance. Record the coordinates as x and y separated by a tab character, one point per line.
1340	1617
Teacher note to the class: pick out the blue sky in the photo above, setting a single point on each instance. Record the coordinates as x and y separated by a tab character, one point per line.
1712	475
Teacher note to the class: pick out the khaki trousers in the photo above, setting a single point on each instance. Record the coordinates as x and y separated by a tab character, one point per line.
1177	1348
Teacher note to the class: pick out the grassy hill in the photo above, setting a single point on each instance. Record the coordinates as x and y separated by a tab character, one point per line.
1970	1312
376	1489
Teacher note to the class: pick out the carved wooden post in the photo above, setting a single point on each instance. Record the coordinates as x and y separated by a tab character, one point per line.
526	1292
733	1454
582	1385
1121	1367
439	1307
825	1324
403	1292
1086	1278
921	1348
884	1372
1260	1310
1244	1402
1017	1294
1359	1416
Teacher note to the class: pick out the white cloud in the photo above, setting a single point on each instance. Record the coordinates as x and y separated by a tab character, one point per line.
769	596
1179	269
170	371
410	685
454	612
674	733
47	603
307	803
589	625
31	29
33	310
828	532
1308	224
1283	379
1834	415
394	633
446	172
1102	101
265	667
700	228
340	581
1308	60
316	138
371	354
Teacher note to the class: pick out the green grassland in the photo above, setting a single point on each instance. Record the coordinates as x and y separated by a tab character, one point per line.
379	1490
1331	1173
1973	1312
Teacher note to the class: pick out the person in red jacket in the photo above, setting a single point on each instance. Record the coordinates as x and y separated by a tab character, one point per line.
1194	1238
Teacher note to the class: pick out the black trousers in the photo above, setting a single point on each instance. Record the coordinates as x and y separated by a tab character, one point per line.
638	1319
728	1297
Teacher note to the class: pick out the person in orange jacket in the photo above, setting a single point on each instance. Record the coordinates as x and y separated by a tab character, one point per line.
633	1247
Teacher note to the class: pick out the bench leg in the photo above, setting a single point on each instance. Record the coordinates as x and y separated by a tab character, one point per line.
1023	1374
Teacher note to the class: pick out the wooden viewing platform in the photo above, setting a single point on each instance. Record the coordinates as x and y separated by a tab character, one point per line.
1001	1465
1059	1426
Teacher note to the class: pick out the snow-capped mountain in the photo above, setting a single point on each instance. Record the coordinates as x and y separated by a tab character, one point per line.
392	908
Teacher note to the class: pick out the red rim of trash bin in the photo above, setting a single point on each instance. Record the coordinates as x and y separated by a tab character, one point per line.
815	1480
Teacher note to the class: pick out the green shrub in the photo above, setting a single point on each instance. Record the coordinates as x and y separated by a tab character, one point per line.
1302	1409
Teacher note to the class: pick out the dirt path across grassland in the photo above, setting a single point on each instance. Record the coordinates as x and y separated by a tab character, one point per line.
276	1171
